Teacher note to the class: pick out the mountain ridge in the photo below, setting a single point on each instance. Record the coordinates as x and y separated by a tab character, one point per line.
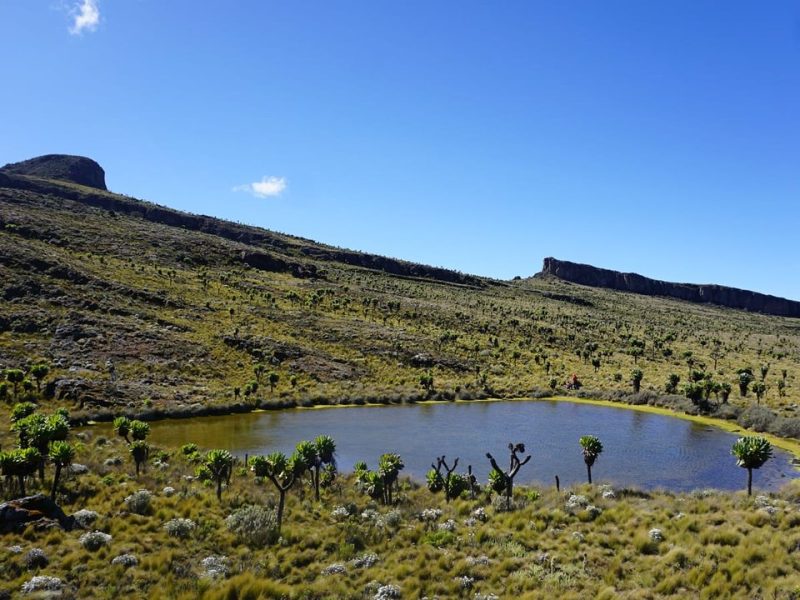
720	295
191	311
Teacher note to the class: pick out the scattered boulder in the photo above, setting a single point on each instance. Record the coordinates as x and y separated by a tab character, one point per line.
656	535
16	515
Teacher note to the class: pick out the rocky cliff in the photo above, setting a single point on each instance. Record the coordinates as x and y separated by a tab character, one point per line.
63	167
699	293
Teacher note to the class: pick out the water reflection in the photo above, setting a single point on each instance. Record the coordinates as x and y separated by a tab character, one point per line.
643	450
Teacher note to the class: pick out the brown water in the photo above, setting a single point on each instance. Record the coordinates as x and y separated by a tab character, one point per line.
642	450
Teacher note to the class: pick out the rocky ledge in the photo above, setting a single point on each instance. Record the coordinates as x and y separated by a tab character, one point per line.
699	293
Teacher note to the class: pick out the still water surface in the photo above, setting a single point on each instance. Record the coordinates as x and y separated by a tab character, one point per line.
642	450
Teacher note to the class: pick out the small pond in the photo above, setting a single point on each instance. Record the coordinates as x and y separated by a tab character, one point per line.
642	450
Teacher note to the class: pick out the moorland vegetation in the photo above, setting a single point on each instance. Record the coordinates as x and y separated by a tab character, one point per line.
121	310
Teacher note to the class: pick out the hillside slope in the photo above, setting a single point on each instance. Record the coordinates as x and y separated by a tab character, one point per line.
141	308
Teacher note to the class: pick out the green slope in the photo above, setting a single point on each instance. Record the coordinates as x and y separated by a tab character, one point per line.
185	307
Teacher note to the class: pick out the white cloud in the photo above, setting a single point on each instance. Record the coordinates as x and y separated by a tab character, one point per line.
267	187
86	16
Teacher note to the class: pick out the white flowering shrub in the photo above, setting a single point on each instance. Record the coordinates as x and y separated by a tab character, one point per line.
364	561
126	560
449	525
35	558
340	513
84	518
479	514
215	566
387	592
94	540
430	515
42	583
334	569
465	582
139	502
255	525
179	528
393	518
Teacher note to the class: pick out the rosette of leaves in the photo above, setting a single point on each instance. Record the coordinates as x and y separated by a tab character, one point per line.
751	453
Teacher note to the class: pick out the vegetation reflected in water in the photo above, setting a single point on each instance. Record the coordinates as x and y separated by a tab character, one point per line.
639	449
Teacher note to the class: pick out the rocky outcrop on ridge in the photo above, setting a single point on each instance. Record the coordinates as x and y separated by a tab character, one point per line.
63	167
699	293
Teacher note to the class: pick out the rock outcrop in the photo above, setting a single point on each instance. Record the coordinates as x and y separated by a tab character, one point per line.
699	293
16	515
63	167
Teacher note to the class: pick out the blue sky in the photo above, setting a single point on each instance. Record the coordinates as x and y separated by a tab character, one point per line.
656	137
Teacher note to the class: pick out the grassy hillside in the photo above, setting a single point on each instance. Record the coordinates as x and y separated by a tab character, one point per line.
585	542
137	309
187	317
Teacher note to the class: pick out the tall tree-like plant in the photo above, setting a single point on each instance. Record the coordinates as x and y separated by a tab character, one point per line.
219	464
507	477
305	458
15	377
672	383
759	389
139	450
37	431
280	471
325	448
258	371
21	463
724	391
39	372
272	379
122	425
61	455
443	477
636	379
592	447
751	453
745	378
139	430
369	482
22	410
389	467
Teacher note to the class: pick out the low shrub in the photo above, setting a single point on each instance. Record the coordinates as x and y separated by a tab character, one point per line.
94	540
255	525
139	502
179	528
757	418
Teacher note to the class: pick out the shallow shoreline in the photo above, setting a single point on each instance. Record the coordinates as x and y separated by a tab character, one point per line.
789	445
